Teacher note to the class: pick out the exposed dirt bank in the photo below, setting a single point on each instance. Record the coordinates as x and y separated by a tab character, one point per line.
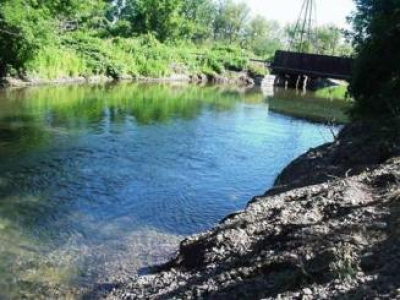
329	229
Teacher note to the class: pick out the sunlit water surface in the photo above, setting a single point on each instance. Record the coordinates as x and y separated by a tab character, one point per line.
97	182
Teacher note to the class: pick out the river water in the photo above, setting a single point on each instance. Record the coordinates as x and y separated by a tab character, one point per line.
99	182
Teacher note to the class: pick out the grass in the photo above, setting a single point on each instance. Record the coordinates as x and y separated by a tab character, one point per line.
83	54
56	62
336	92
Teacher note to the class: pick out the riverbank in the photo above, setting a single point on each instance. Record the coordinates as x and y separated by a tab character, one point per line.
240	78
329	228
82	58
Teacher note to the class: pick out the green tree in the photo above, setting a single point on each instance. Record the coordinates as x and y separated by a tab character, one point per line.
376	79
257	28
162	18
199	18
263	37
70	8
231	21
23	28
328	39
28	25
331	41
300	43
325	39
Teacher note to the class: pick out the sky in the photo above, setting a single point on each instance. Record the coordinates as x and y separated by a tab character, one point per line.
287	11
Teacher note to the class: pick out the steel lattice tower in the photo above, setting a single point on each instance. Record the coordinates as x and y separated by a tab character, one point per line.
303	38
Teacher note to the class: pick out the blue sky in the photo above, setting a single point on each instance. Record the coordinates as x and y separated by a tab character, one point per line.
286	11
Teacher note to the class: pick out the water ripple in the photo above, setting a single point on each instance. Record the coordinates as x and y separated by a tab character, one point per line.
99	183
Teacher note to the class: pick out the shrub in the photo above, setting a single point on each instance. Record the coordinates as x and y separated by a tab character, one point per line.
54	62
257	70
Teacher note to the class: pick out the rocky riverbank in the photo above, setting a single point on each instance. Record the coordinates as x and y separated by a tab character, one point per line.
242	78
328	229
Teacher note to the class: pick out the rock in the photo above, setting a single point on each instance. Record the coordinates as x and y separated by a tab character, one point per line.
180	77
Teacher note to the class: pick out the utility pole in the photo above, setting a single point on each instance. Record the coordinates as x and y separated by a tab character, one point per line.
304	38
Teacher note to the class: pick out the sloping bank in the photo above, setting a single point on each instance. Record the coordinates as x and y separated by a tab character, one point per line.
328	229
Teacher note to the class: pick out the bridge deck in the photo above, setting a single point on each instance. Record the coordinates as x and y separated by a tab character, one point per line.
313	65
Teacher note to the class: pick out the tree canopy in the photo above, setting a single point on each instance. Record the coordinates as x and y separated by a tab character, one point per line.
376	81
160	17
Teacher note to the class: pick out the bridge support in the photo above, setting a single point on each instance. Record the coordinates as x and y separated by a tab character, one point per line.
298	82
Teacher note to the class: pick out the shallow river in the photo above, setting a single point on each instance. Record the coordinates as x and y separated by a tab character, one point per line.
97	182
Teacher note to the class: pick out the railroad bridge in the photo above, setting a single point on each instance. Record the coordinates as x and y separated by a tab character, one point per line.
298	67
312	65
295	68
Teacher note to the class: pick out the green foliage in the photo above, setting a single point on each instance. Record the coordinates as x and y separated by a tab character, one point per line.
74	8
122	28
257	69
376	80
160	17
327	39
331	41
221	58
335	92
132	37
231	20
27	26
56	62
19	39
102	56
199	16
264	37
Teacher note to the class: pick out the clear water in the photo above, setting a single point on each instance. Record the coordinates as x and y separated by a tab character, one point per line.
97	182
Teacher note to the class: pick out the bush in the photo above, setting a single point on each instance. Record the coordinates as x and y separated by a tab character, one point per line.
257	70
222	58
20	41
215	64
87	53
55	62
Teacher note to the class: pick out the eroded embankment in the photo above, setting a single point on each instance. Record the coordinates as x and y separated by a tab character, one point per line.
330	228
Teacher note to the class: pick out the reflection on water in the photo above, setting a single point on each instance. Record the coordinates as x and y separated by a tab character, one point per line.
306	105
101	181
